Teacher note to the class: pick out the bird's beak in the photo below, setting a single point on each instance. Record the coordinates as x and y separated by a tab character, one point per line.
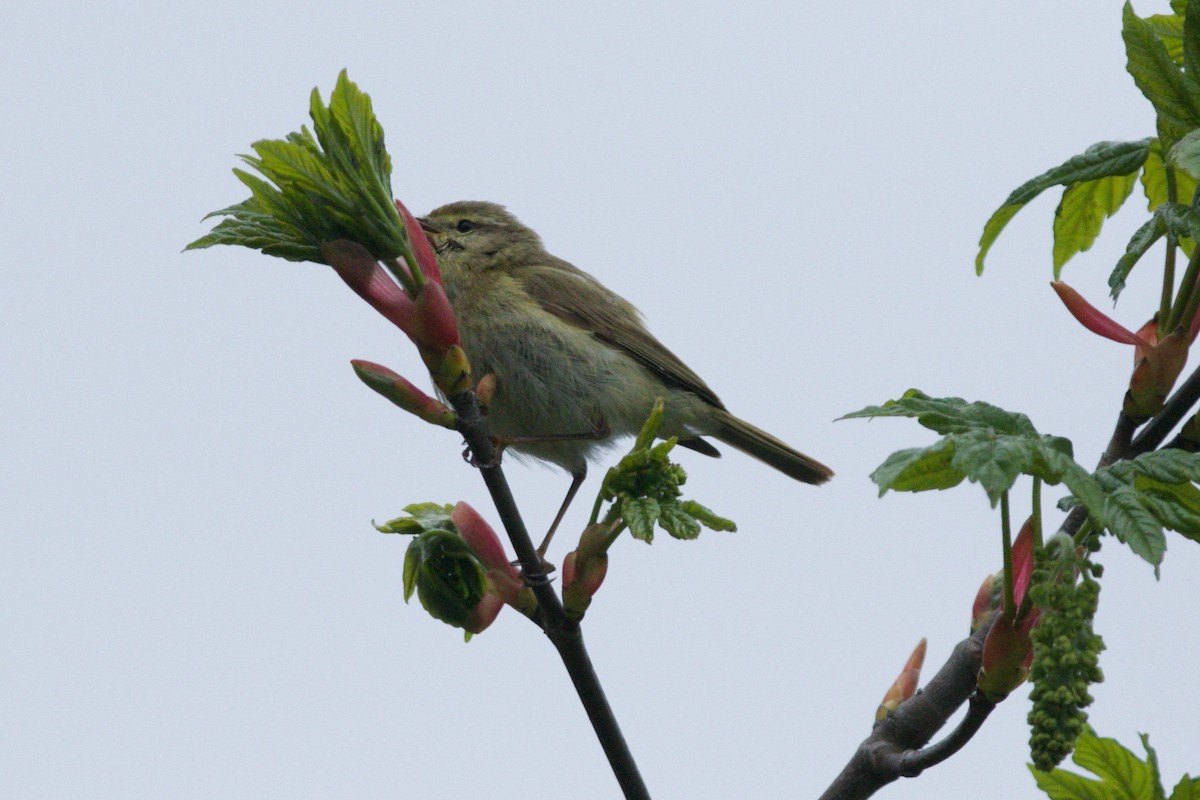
432	232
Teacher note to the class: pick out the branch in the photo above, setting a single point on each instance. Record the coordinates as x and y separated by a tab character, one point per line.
893	751
1174	410
564	634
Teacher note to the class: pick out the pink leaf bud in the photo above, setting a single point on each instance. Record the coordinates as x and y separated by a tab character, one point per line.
356	266
905	685
1092	318
403	393
421	250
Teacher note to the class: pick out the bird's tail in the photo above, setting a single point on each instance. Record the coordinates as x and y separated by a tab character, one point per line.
755	442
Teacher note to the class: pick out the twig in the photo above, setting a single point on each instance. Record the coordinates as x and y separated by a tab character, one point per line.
894	744
563	633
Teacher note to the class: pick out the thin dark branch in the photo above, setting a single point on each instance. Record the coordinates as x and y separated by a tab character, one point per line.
562	632
912	763
1177	407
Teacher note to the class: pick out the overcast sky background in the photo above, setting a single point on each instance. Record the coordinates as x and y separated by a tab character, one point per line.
193	603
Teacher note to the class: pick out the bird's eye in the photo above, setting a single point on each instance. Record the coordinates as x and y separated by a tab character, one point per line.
465	226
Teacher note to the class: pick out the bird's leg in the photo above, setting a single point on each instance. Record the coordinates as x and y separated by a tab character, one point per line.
576	482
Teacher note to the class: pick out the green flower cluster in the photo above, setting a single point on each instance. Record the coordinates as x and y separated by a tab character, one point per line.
1065	654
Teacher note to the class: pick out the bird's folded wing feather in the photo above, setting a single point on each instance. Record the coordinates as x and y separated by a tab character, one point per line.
570	294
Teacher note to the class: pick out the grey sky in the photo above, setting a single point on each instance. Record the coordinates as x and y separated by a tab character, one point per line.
192	600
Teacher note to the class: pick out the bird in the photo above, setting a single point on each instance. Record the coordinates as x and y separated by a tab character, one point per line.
574	367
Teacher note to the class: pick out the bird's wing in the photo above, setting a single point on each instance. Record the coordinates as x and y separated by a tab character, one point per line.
570	294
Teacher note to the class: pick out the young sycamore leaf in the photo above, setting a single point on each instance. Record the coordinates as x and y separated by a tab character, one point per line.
1081	214
448	578
1101	160
333	185
420	517
981	443
1169	90
644	490
1180	220
1121	775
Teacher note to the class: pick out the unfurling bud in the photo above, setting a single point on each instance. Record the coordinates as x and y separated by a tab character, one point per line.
422	252
987	600
1154	376
446	575
1008	649
905	685
403	393
584	569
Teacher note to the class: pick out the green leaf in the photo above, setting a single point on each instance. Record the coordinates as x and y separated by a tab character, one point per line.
1176	217
334	185
1186	154
1191	54
1127	518
1122	775
1152	763
650	427
1188	788
707	517
1101	160
640	514
448	577
1062	785
674	520
1129	776
919	469
420	517
1179	6
1158	78
1169	29
949	414
1081	214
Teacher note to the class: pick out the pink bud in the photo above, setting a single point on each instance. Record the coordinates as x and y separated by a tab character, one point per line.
403	393
356	266
905	685
987	600
436	328
484	613
1022	561
481	538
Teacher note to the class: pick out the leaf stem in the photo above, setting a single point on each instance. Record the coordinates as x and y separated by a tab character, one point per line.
1168	286
1006	543
1037	513
1188	298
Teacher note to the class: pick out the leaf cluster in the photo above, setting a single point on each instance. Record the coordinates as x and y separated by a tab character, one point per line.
334	184
980	443
448	578
1150	493
644	489
1163	57
1120	774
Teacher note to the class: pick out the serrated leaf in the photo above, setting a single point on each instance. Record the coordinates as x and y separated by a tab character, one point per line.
1129	777
336	185
1141	241
1131	523
420	517
1168	466
1060	784
1158	78
1186	154
449	579
1169	29
949	414
1054	465
994	462
919	469
640	514
1188	788
1101	160
707	517
1152	763
677	522
1081	213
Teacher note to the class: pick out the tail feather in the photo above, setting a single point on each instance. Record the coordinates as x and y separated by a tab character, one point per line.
755	442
